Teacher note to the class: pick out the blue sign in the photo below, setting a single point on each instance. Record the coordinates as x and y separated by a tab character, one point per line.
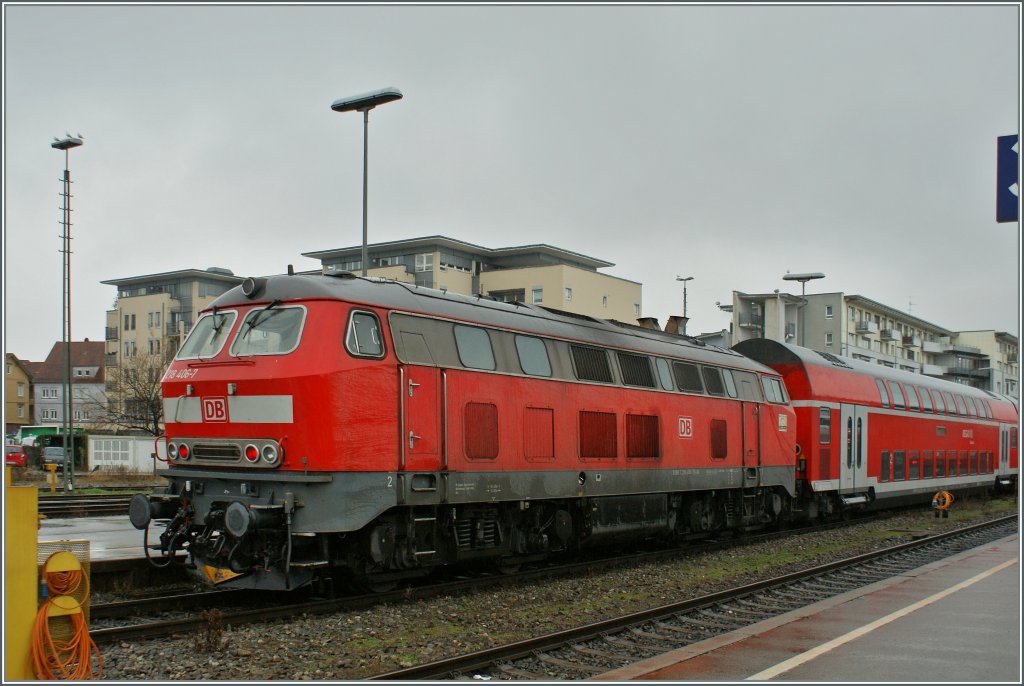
1007	188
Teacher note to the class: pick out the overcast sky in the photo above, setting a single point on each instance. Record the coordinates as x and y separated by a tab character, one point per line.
726	143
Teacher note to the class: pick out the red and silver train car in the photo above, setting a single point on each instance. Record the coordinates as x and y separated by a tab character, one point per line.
870	436
321	426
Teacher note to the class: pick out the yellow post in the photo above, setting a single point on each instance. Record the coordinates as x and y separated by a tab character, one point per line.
21	534
52	468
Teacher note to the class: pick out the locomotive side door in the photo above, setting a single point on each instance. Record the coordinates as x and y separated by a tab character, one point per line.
853	464
751	442
420	396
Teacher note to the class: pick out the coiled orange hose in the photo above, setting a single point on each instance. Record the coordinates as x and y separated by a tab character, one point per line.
64	659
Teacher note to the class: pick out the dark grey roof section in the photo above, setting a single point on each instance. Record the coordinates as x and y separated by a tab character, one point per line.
213	274
520	255
769	352
404	297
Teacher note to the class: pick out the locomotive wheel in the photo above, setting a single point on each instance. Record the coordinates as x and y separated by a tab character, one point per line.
507	565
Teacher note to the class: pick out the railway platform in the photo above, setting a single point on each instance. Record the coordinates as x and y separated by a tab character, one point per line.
957	620
110	537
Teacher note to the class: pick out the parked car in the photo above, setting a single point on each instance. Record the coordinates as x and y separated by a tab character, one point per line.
14	455
54	455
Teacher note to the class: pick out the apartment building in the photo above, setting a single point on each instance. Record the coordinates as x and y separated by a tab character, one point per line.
864	329
538	274
151	316
87	385
17	394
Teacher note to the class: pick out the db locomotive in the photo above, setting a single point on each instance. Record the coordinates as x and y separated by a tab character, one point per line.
328	428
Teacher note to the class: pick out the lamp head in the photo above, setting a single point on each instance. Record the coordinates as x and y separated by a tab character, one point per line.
366	101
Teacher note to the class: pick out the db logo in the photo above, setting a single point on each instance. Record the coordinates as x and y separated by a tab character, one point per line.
215	409
686	427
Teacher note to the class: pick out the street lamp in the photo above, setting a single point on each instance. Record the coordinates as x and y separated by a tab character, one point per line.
364	103
803	279
67	424
684	279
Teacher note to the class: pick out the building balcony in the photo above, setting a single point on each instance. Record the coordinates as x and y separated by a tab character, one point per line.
112	333
911	342
110	360
888	335
933	347
933	370
751	321
866	326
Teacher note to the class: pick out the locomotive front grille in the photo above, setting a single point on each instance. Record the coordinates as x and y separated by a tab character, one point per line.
217	452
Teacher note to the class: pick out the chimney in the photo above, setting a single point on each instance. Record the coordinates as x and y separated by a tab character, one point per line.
649	323
674	322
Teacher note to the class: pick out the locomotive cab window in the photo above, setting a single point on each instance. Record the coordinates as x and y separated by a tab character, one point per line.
773	390
533	356
364	337
474	346
730	383
208	336
269	330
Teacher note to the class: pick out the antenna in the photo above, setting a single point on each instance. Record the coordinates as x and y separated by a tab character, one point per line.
910	304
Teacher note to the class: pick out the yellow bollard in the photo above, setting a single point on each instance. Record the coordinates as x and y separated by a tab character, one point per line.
21	576
52	468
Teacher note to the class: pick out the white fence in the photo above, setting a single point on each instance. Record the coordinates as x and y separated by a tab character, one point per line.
131	454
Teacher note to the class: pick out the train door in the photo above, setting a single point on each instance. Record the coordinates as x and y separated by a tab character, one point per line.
420	400
853	467
1003	459
751	443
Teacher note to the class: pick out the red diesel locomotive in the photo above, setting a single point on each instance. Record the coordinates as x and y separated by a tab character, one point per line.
328	427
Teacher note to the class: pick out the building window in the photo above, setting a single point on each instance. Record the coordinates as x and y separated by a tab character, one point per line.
21	390
425	262
852	314
604	301
828	340
568	292
828	312
538	296
636	309
8	370
21	411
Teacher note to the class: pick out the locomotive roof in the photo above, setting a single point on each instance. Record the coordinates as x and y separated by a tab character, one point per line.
772	352
404	297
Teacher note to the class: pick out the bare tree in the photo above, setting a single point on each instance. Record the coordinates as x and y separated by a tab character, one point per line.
133	394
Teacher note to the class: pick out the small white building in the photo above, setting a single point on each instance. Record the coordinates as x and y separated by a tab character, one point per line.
125	454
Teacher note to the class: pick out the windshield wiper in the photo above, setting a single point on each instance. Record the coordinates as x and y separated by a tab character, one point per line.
259	317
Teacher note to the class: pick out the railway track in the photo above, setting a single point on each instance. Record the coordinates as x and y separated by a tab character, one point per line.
586	651
133	620
84	505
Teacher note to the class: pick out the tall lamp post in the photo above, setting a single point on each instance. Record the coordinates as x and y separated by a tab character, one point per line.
803	279
67	406
686	319
364	103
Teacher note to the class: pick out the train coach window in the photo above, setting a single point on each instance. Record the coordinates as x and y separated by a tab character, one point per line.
899	465
964	463
988	409
474	346
730	383
972	411
687	377
940	404
533	356
961	405
664	374
269	331
636	370
208	335
898	401
883	394
950	403
940	463
773	389
591	364
926	399
912	401
926	465
364	337
883	471
713	380
824	425
915	465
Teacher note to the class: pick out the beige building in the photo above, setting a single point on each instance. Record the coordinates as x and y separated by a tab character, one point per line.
863	329
151	317
17	395
537	274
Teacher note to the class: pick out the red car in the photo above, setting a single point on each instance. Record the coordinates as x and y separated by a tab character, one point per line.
15	455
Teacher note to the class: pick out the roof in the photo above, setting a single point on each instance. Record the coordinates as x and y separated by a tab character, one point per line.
23	365
214	273
494	254
83	354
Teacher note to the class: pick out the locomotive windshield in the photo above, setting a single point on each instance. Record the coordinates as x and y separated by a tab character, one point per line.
207	336
269	331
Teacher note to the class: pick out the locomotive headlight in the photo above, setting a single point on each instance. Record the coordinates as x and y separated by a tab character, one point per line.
172	451
270	454
251	453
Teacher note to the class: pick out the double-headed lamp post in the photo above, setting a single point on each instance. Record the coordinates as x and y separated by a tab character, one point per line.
686	319
803	279
67	405
364	103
